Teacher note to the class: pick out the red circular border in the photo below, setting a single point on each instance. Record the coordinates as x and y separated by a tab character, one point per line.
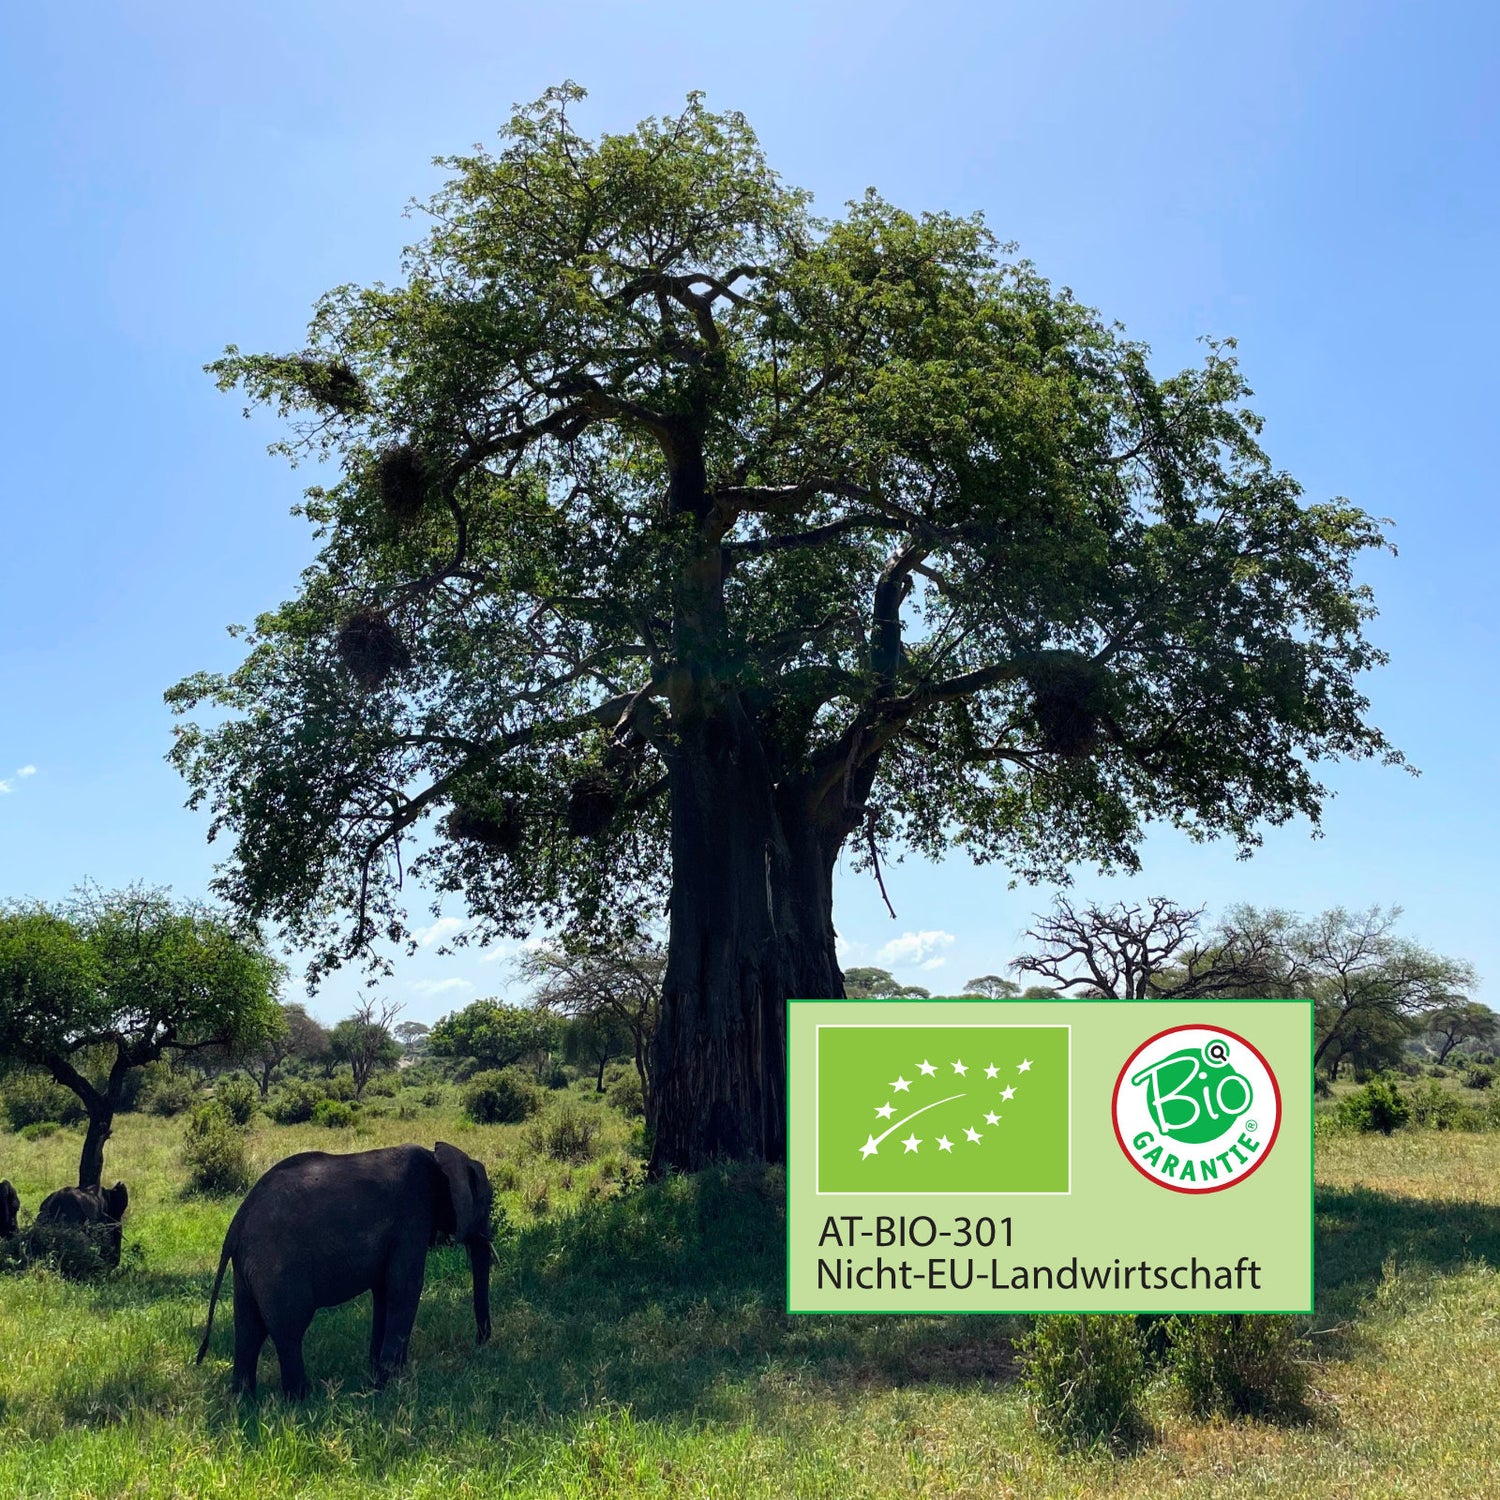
1114	1119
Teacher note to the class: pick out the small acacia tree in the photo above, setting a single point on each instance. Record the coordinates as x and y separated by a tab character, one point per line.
493	1034
130	976
1461	1021
297	1037
683	539
610	987
365	1041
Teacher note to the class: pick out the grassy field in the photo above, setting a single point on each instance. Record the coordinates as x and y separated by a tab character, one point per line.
640	1348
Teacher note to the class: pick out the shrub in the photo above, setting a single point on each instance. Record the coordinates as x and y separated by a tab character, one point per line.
38	1130
625	1094
556	1077
1322	1089
168	1094
33	1099
1478	1076
213	1150
72	1251
505	1177
406	1110
1436	1108
1379	1105
238	1098
500	1098
430	1098
1083	1377
293	1103
383	1086
1436	1070
566	1134
339	1086
336	1114
1239	1365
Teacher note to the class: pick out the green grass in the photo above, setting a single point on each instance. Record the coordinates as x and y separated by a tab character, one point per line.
640	1349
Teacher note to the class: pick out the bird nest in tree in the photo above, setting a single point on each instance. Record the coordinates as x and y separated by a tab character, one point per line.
498	828
1067	702
402	480
593	800
333	383
369	646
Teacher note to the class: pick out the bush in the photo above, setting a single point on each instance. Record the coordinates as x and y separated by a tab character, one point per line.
1478	1076
1322	1089
1239	1365
238	1098
430	1098
334	1113
1379	1105
556	1077
33	1099
566	1134
625	1094
72	1251
293	1103
1436	1070
383	1086
1083	1377
168	1094
1435	1108
213	1150
339	1086
38	1130
500	1098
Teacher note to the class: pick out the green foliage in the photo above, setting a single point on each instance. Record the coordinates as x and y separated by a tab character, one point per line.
293	1103
333	1113
73	1251
31	1098
1084	1376
625	1094
500	1097
860	983
1435	1108
38	1130
1240	1365
1478	1076
238	1098
1378	1105
214	1152
168	1093
493	1034
566	1133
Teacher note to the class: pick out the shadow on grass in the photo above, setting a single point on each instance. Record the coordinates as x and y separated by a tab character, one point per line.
1359	1231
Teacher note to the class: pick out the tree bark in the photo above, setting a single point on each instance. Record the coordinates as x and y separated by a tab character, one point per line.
751	927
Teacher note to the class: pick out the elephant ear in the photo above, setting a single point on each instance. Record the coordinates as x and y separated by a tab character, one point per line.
457	1168
116	1200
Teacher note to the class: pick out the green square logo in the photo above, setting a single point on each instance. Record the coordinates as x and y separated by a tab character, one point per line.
942	1109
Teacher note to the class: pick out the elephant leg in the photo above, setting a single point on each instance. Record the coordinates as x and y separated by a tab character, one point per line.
249	1336
403	1291
288	1341
377	1327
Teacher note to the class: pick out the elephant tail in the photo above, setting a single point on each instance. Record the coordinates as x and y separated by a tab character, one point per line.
213	1300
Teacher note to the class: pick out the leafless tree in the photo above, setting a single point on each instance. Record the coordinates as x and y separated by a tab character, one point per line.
364	1041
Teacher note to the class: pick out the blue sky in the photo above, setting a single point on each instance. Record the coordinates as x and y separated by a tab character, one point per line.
1318	181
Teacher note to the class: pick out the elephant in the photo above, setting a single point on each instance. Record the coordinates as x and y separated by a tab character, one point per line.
10	1209
319	1229
85	1208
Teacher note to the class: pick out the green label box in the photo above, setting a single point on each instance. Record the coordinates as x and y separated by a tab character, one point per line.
1054	1155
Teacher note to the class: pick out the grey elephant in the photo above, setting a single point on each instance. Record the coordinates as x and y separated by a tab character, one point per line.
10	1210
319	1229
97	1209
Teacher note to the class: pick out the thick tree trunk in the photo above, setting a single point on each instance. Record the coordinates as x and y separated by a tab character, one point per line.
751	927
91	1162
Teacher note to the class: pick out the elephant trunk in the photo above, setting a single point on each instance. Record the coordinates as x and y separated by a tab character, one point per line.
481	1253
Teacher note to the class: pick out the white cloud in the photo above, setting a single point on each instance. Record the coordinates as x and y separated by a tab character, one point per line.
430	987
24	771
495	954
444	927
846	948
913	948
934	963
21	773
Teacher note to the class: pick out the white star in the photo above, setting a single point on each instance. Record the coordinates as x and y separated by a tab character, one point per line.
911	1142
885	1111
992	1118
960	1068
991	1071
944	1144
972	1134
901	1085
1025	1065
926	1068
869	1148
1007	1093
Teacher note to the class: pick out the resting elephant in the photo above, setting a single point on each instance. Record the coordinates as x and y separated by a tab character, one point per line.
10	1209
319	1229
86	1208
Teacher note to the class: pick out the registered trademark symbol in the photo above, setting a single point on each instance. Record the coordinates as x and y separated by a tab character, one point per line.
1251	1125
